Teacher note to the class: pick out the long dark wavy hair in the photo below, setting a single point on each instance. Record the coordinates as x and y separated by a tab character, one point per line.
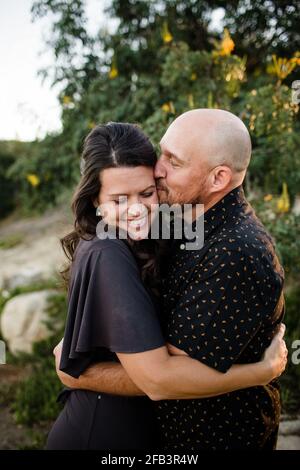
111	145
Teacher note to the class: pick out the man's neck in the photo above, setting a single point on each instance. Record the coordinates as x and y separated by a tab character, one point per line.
213	200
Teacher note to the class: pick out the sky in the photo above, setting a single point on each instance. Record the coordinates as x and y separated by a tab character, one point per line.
28	108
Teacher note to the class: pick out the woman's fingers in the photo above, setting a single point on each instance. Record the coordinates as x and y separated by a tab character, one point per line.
58	347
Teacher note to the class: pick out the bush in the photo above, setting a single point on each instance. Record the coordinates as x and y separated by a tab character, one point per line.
290	381
35	400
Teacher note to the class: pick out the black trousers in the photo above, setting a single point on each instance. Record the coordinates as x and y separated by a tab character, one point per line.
103	422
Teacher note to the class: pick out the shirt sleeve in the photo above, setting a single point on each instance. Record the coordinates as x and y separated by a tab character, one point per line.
230	298
109	307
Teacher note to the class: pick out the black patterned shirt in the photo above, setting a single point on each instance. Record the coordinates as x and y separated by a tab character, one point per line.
222	305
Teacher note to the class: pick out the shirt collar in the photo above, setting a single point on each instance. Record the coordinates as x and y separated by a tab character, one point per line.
217	214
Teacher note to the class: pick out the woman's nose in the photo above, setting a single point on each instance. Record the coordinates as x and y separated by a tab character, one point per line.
136	209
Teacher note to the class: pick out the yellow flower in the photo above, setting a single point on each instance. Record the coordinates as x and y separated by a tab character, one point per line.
191	101
268	197
296	58
194	76
113	73
67	100
283	66
226	46
33	179
166	35
283	203
91	124
168	107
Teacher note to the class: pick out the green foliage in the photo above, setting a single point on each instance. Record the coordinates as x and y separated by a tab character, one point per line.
36	397
10	241
10	151
51	161
284	228
35	400
291	379
184	71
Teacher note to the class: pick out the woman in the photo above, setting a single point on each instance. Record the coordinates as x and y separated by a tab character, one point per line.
112	297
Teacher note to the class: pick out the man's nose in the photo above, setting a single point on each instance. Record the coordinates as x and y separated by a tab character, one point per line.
159	170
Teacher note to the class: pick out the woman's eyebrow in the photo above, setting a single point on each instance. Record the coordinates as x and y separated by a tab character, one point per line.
124	194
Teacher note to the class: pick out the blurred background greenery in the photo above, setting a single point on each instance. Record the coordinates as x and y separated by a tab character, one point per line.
162	58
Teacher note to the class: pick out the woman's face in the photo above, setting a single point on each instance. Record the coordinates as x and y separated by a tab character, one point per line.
125	198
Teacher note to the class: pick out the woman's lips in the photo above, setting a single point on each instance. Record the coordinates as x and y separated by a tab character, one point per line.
141	222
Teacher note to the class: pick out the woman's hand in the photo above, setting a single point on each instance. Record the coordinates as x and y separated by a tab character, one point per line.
65	379
274	360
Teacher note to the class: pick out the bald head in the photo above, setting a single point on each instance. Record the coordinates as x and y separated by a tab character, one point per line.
216	136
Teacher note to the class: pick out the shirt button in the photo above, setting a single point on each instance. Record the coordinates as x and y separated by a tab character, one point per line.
182	246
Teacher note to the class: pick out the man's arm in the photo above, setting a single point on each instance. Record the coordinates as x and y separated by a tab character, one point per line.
105	377
161	376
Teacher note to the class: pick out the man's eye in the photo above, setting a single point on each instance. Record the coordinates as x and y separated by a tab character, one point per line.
173	163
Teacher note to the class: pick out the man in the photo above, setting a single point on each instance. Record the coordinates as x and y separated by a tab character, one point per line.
222	303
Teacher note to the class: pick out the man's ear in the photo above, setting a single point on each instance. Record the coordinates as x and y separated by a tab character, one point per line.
221	178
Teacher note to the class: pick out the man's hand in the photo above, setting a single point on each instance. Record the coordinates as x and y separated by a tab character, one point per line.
65	379
275	356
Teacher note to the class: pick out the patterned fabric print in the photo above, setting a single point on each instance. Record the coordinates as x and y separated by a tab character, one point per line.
222	305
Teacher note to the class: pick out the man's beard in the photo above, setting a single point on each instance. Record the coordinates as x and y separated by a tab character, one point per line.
168	197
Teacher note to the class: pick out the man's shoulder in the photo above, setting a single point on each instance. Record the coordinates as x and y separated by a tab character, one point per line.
245	241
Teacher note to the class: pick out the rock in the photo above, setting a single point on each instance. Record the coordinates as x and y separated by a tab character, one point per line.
30	262
289	427
39	255
23	320
24	277
288	443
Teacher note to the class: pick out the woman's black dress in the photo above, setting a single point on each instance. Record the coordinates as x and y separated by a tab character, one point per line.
109	311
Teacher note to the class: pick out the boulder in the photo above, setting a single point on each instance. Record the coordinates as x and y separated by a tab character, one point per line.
22	321
290	427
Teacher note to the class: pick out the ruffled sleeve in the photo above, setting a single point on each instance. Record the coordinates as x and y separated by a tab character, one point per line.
109	308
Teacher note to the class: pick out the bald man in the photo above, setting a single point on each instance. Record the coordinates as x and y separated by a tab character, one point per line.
222	304
205	154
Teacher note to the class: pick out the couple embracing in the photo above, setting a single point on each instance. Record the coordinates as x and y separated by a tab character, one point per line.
167	347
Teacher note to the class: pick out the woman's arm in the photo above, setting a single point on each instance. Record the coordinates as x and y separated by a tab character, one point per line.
160	375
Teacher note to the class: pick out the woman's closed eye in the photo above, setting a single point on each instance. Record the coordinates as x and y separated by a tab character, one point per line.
120	200
147	194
